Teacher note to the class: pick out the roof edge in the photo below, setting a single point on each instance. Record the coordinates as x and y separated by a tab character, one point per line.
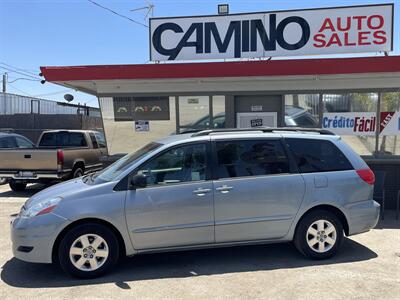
317	66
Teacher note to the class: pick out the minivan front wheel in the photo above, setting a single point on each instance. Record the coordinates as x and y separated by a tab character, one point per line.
88	251
319	235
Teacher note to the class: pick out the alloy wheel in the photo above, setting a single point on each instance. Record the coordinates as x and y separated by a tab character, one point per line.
321	236
89	252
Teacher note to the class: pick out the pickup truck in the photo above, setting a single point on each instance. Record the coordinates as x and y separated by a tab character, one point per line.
59	155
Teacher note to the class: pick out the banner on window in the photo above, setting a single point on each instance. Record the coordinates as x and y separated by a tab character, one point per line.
362	123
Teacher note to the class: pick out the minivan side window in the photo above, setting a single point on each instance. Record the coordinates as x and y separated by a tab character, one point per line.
313	155
180	164
250	158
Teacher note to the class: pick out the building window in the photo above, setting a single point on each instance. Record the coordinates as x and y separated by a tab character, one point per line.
302	110
389	136
195	113
352	116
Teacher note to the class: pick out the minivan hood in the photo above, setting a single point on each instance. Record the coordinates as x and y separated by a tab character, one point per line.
59	190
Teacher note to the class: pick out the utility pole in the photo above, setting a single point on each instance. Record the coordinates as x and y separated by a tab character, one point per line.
5	78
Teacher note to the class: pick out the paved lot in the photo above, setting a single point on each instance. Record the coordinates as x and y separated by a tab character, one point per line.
368	267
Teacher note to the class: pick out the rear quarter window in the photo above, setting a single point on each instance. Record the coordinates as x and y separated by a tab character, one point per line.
317	155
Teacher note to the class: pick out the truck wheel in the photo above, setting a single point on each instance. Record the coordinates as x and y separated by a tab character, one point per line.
17	186
78	172
3	181
319	235
88	250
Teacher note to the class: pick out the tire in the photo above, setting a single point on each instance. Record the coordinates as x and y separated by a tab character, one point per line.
77	172
72	250
17	186
314	236
3	181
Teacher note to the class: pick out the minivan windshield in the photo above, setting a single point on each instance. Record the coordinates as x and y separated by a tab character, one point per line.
117	168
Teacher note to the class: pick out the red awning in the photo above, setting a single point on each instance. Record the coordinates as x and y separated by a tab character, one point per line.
326	66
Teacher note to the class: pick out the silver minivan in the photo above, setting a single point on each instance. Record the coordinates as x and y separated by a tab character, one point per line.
211	188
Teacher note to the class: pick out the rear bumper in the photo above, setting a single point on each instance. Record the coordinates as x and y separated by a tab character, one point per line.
38	175
362	216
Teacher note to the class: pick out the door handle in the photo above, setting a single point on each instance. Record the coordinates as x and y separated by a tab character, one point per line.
224	189
201	192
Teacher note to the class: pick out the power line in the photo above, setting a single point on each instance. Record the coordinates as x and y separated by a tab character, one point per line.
118	14
19	69
53	93
38	80
18	72
15	88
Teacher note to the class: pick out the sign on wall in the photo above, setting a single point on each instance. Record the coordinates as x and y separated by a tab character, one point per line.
141	108
353	29
256	119
142	125
362	123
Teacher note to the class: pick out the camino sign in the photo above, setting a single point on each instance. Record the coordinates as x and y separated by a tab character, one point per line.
354	29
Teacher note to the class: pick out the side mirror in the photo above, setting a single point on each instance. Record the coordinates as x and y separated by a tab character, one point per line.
138	181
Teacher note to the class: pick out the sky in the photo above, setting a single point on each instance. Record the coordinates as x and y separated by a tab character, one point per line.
36	33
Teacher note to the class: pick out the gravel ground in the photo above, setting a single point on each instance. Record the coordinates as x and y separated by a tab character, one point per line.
368	267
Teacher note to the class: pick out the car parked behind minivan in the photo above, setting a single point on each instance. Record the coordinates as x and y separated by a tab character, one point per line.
213	188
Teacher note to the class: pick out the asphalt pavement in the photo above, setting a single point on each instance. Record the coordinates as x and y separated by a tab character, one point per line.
367	267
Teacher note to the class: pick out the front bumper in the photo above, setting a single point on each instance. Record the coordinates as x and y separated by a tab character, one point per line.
33	238
362	216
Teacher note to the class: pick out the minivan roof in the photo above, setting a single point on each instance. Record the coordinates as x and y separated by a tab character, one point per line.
311	133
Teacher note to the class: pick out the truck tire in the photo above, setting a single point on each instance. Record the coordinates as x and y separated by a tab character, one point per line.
3	181
77	172
17	186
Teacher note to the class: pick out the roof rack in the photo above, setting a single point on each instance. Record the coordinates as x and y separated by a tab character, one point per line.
264	129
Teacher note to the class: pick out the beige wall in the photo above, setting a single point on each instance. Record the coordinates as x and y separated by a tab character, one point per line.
122	137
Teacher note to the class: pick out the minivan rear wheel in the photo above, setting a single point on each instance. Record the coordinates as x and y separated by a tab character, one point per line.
88	250
319	235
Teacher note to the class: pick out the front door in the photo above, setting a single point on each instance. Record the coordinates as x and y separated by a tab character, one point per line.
257	192
176	207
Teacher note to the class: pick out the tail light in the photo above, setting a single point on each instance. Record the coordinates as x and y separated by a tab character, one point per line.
367	175
60	160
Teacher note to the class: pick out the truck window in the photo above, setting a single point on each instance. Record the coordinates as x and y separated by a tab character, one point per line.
317	155
23	143
7	142
63	139
100	139
94	141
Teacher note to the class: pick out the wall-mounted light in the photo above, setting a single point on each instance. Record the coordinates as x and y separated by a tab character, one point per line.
223	9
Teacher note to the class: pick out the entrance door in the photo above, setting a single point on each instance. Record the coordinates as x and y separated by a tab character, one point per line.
176	207
259	110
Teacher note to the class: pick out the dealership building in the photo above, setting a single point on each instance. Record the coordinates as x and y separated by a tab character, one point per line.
217	72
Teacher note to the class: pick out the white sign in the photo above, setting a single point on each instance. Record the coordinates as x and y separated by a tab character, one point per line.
353	29
256	119
362	123
142	126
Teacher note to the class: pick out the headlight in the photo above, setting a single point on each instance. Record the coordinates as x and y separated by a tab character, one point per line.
41	208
